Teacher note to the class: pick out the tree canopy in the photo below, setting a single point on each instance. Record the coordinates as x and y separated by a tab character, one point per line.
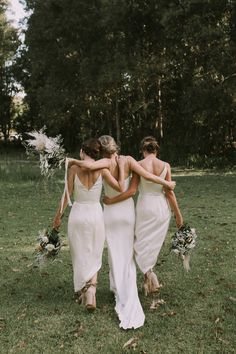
131	68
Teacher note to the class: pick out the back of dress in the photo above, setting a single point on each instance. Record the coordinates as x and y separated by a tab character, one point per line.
86	232
84	195
119	224
148	187
152	222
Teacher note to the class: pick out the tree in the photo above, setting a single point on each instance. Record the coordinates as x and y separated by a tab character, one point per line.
8	46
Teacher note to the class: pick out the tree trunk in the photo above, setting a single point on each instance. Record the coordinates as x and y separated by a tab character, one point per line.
117	121
159	119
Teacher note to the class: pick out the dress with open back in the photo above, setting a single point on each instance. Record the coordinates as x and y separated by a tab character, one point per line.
86	232
152	221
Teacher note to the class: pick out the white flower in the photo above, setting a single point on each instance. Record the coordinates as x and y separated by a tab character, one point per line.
45	239
50	247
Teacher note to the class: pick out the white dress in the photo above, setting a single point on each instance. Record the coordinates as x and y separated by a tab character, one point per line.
119	225
86	232
152	221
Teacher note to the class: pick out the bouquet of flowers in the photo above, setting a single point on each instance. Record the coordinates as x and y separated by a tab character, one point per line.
49	150
182	243
48	246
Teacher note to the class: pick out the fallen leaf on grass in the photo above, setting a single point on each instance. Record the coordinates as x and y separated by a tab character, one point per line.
156	303
21	344
24	258
232	298
15	270
2	323
131	343
79	331
217	320
169	314
30	265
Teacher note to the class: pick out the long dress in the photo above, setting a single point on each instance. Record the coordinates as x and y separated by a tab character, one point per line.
119	225
86	232
152	221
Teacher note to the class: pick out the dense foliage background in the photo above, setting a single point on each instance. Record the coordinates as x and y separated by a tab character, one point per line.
131	68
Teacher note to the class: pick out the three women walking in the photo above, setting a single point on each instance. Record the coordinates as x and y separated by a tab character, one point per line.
124	233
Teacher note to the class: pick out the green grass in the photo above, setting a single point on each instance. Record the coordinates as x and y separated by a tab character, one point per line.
38	312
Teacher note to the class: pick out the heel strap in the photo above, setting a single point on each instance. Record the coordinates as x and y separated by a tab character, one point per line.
87	286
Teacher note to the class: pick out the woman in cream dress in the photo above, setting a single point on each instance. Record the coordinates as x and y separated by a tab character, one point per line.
86	230
119	225
152	212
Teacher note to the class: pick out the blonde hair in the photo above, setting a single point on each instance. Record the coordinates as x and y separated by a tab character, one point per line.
108	145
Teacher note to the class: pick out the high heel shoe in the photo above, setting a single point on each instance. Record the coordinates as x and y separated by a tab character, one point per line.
151	283
89	298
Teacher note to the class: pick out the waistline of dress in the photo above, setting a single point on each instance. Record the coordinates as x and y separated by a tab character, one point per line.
87	202
152	194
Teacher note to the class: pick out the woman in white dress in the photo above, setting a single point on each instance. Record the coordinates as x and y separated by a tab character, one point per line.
152	212
86	231
119	225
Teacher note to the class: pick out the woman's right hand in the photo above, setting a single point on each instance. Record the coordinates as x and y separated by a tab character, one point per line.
170	185
71	162
106	200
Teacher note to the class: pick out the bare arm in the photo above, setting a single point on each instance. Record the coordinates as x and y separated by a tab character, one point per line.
121	164
59	213
170	195
92	166
106	174
134	166
125	195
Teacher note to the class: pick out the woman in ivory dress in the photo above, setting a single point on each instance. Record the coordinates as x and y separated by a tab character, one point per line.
86	231
152	212
119	225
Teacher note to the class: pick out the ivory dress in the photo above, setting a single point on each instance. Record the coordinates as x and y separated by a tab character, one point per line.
152	221
86	232
119	225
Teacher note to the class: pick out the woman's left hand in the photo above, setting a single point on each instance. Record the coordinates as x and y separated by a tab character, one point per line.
56	222
179	220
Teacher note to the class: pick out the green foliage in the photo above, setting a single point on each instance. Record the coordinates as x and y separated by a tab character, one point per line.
134	68
8	47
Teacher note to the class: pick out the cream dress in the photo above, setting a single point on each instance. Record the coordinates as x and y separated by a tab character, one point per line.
86	232
119	224
152	221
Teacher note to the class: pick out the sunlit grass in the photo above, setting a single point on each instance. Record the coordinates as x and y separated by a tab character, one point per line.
38	312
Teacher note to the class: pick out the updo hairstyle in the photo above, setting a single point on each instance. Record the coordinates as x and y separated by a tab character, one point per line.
150	145
108	145
92	148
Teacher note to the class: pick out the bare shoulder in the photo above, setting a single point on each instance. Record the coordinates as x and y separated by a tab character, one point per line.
141	162
127	157
162	163
73	170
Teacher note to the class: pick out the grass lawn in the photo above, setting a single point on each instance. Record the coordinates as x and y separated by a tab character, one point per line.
38	312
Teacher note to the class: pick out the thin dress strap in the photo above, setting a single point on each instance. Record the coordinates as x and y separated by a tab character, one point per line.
66	191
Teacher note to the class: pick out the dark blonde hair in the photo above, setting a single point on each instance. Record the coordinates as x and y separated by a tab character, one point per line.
92	147
108	145
150	145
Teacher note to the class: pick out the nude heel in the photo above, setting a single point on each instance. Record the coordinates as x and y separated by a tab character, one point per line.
151	283
90	297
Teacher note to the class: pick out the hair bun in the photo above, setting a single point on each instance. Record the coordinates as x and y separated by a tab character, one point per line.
92	147
150	145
